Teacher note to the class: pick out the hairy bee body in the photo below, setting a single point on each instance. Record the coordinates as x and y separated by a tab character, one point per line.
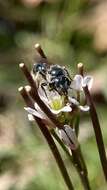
55	77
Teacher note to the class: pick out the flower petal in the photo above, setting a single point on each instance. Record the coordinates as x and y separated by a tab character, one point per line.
40	111
64	109
36	106
42	95
84	108
69	137
73	101
55	111
35	113
71	133
87	81
41	92
30	117
77	83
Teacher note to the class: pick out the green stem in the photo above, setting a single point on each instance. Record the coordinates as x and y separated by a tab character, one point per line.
82	160
78	158
79	152
80	169
77	124
81	173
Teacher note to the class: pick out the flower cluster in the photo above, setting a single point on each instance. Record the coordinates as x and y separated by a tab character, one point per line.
56	103
54	100
64	107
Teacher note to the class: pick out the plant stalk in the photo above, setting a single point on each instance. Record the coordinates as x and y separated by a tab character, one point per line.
96	125
61	144
97	131
49	140
80	169
77	160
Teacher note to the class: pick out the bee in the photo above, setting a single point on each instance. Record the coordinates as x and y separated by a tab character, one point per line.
40	68
55	77
58	79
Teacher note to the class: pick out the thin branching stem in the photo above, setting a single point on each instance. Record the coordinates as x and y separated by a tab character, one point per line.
77	124
82	160
80	165
78	156
96	125
97	131
80	170
77	160
56	154
49	140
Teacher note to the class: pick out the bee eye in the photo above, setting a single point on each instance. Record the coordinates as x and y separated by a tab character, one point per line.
56	71
39	67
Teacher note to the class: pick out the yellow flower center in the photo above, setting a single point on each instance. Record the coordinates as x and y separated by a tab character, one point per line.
57	103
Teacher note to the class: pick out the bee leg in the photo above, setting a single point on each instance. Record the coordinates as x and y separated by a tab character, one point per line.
58	90
51	86
68	73
42	86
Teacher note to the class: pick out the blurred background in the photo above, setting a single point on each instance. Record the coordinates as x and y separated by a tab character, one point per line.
69	32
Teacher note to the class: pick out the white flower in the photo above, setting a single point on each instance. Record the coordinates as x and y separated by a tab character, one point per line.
69	137
66	108
55	103
84	108
36	112
40	114
79	82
